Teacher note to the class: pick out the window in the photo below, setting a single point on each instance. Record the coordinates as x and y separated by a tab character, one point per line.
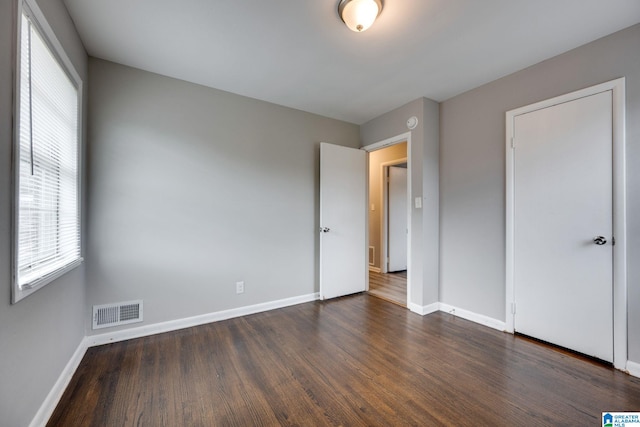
47	167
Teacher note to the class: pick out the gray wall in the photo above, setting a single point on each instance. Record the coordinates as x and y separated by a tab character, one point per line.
424	183
473	171
192	189
39	334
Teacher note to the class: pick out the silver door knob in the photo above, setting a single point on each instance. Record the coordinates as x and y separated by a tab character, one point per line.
600	240
325	229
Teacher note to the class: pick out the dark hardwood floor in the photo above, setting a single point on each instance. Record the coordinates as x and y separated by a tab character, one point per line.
352	361
390	286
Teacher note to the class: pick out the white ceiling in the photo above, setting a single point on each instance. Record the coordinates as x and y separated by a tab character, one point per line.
299	54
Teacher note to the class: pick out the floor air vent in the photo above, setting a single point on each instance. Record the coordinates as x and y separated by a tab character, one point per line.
108	315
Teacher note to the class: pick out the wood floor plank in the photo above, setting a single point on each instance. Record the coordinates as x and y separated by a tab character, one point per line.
352	361
389	286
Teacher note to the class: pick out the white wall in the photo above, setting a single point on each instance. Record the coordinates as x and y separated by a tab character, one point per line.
39	334
472	165
192	189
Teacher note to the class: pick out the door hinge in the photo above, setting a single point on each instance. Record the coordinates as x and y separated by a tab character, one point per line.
613	241
513	142
513	308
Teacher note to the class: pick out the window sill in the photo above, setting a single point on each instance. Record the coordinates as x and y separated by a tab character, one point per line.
20	293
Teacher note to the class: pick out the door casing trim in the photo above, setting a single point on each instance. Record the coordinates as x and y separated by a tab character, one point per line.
377	146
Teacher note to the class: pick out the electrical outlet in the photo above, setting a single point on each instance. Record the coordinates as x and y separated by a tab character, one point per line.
239	287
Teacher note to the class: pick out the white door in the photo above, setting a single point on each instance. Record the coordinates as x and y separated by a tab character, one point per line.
343	210
397	218
563	271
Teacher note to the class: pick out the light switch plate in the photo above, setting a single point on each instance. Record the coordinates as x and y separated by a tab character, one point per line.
418	202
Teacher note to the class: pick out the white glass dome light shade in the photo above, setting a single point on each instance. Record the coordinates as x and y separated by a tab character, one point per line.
359	14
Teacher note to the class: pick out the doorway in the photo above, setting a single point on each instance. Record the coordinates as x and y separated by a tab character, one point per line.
388	223
344	237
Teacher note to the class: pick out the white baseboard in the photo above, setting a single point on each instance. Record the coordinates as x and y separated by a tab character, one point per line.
49	405
374	269
54	396
633	368
465	314
423	310
174	325
474	317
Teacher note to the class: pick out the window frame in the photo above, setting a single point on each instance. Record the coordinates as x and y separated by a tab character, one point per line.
37	18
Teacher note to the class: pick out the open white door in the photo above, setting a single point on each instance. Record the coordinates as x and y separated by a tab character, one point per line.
343	210
397	218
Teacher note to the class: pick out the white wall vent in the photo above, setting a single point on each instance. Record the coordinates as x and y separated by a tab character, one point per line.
122	313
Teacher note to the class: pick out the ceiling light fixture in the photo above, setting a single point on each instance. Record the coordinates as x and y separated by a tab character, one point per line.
359	14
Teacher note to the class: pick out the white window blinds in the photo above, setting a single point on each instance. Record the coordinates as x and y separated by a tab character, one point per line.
48	211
